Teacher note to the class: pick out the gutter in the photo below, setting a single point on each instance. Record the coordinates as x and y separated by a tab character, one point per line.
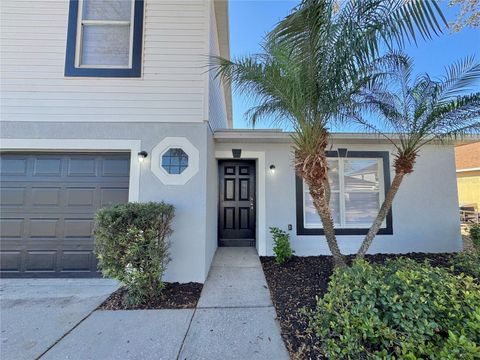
468	170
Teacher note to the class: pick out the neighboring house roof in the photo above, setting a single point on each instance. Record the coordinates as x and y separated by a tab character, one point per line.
467	157
360	184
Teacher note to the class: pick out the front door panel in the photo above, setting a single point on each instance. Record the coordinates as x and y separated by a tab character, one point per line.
237	203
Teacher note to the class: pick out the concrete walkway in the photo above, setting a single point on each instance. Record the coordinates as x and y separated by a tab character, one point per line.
234	319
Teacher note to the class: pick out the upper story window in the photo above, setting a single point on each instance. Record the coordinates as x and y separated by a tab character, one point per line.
358	185
104	38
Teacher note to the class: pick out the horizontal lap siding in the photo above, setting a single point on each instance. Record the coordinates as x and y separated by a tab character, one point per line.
33	37
216	98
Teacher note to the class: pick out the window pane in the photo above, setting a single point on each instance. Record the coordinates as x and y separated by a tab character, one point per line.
333	177
105	45
361	207
361	175
311	217
175	161
107	9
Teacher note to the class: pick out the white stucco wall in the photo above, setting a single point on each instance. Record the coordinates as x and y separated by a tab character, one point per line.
425	211
211	215
190	261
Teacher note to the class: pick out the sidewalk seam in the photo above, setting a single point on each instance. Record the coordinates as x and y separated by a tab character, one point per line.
66	334
186	333
236	307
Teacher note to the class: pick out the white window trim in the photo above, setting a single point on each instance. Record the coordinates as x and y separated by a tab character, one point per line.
87	145
80	22
341	191
162	147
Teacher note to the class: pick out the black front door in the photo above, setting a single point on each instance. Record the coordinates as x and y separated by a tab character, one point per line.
236	225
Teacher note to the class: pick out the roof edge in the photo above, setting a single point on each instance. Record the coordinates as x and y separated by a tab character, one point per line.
279	136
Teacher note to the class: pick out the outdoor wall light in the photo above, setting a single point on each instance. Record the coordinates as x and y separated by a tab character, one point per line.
237	153
142	155
272	169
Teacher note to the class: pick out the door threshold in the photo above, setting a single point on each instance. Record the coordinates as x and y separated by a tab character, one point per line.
236	242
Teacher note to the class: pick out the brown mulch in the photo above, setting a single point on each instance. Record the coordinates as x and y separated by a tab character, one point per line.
295	285
173	296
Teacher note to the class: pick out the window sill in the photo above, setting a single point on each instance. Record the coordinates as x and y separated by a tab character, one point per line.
102	72
344	231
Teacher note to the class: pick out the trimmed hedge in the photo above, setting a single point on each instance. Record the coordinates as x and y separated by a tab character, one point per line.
400	310
131	243
468	263
474	232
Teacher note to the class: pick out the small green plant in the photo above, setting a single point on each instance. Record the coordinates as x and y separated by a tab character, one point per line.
131	244
400	310
475	236
282	250
468	263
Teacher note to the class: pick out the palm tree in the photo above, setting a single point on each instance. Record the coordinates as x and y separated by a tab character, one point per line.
312	64
417	111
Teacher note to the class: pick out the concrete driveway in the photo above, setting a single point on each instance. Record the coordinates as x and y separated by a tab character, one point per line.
37	313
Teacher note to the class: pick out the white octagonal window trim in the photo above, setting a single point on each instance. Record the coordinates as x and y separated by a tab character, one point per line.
174	143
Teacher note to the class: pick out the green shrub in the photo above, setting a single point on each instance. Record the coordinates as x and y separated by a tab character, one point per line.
475	236
400	310
468	263
282	250
132	246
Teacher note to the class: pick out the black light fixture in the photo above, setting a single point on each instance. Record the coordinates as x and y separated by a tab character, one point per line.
237	153
142	155
272	169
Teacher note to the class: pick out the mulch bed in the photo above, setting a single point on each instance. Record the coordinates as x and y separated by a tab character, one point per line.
174	296
295	285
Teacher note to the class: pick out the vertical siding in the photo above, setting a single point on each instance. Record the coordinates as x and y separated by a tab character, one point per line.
172	89
217	113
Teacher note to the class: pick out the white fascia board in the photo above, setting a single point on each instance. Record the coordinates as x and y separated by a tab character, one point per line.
468	170
278	136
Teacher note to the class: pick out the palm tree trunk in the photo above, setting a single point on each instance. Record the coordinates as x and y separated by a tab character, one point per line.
312	166
320	196
320	192
382	214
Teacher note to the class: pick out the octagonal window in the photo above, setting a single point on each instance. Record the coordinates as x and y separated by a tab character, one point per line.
174	161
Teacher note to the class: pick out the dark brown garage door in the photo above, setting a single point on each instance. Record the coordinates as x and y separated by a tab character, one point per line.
47	206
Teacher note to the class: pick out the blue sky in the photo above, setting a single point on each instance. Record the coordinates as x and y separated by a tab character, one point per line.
251	20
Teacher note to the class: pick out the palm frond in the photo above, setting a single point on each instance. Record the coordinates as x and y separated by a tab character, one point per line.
459	79
422	110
